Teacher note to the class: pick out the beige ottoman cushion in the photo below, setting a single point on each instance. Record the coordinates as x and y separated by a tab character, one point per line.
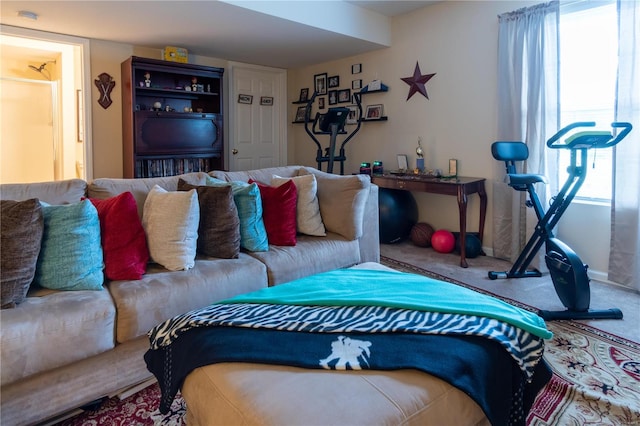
255	394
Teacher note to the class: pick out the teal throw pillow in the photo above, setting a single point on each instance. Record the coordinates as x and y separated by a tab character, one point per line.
253	234
71	254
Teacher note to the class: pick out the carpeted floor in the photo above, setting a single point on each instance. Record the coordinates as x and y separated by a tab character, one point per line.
596	373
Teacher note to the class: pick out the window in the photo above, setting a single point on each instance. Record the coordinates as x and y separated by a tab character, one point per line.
588	66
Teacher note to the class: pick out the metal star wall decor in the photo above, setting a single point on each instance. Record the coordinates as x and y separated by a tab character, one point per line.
417	81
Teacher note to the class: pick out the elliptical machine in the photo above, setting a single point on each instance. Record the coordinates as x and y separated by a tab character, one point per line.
332	124
568	273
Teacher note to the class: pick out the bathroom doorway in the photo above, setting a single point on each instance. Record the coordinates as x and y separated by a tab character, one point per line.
45	127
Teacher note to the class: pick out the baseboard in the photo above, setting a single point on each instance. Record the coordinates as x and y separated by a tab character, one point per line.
123	394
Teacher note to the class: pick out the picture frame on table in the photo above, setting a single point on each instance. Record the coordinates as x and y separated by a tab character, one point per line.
344	95
403	164
374	112
320	83
334	81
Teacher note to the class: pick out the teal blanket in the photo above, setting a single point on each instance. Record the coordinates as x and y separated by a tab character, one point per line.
362	287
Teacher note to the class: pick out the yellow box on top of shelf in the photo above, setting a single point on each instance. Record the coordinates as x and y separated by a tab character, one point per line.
175	54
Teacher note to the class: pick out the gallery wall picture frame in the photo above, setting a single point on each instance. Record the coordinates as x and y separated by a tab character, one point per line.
353	114
245	99
334	81
300	114
266	100
321	102
344	95
320	83
356	68
333	97
374	112
304	95
356	84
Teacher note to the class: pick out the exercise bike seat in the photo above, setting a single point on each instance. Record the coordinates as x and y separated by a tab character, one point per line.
510	152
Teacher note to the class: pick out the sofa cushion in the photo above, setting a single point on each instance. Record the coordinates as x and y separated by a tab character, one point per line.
342	201
21	228
170	220
253	235
52	328
219	228
308	218
161	294
109	187
124	244
71	255
311	255
60	192
279	212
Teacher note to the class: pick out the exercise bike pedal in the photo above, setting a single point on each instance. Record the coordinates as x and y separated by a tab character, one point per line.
613	313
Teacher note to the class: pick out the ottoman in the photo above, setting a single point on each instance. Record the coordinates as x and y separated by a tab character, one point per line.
259	394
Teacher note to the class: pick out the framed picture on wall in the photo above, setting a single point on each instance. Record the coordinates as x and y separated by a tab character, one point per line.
304	95
353	114
333	97
334	81
320	83
245	99
344	95
321	102
300	113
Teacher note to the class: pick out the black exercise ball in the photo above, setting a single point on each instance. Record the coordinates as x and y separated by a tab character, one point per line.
473	246
398	213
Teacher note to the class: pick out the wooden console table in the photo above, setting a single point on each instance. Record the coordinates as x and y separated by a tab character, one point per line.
460	186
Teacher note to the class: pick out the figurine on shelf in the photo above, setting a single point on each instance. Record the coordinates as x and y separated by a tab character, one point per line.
147	79
194	84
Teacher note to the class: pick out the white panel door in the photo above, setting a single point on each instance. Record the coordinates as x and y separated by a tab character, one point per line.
257	136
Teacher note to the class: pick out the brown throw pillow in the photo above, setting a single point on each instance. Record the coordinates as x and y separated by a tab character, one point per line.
219	229
21	228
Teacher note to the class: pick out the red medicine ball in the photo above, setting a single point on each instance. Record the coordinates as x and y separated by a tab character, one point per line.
443	241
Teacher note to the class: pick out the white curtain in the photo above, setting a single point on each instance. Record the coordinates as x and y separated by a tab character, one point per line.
528	91
624	263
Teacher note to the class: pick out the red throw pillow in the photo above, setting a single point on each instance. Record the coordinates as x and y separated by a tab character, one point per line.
124	244
279	212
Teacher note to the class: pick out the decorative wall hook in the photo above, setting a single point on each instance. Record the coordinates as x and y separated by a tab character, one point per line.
105	84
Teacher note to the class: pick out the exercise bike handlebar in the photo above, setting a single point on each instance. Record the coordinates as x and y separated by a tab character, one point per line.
589	140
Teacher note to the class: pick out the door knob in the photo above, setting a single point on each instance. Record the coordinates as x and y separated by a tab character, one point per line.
234	151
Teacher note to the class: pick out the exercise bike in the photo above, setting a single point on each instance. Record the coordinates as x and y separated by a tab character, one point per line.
568	273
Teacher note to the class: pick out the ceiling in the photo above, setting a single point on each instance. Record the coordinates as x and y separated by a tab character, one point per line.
232	30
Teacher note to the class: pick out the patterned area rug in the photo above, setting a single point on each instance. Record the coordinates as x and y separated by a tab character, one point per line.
596	380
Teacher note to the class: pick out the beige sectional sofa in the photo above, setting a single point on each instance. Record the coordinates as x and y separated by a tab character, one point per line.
64	349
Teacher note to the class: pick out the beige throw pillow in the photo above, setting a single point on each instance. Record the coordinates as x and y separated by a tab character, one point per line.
170	220
342	201
309	220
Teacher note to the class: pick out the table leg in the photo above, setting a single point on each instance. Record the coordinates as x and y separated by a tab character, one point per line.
483	214
462	207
